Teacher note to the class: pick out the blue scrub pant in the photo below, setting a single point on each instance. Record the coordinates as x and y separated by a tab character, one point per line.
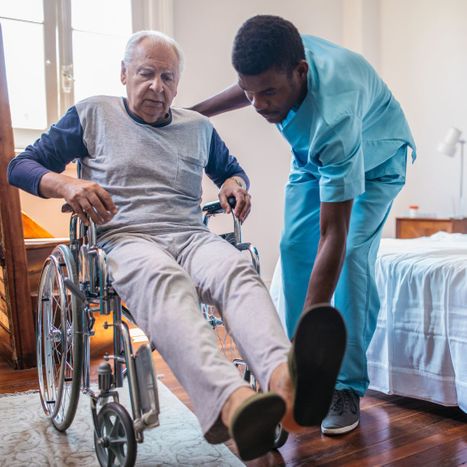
356	296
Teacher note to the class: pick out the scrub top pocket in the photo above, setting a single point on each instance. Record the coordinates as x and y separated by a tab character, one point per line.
392	170
189	176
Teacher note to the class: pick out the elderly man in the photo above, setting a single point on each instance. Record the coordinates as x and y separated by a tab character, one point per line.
142	164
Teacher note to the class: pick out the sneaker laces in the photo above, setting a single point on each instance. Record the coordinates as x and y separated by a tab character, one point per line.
342	401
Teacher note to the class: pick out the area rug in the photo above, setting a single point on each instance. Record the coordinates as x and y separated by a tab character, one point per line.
27	438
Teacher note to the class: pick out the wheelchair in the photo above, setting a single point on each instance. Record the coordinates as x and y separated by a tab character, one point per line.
73	287
214	318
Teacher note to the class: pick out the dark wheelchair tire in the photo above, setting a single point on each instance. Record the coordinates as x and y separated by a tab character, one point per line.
59	341
280	437
115	425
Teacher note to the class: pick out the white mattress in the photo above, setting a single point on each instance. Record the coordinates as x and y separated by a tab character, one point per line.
420	345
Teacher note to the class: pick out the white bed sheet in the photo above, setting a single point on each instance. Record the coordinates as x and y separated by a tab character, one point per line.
420	345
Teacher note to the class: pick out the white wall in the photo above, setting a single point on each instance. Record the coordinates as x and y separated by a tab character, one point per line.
424	60
205	30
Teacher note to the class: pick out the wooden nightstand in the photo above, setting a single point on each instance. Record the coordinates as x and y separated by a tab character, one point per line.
412	227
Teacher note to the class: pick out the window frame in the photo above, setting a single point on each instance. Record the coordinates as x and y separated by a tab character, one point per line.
58	53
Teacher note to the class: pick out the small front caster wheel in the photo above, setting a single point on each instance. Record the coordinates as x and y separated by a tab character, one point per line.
117	444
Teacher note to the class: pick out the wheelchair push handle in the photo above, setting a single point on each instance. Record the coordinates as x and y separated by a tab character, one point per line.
214	207
66	208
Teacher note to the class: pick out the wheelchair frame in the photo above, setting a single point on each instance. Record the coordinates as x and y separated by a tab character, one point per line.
209	311
74	285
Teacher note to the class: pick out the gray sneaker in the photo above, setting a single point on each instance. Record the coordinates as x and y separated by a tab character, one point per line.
344	413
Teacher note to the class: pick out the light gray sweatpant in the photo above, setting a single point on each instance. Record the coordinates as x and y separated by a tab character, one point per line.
162	278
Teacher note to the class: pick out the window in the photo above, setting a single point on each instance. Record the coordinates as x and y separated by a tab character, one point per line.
25	61
58	52
98	45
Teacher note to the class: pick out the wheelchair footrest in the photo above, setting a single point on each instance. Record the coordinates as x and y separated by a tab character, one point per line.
147	387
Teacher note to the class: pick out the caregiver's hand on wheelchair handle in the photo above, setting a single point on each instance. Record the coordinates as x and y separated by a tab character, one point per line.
235	187
89	199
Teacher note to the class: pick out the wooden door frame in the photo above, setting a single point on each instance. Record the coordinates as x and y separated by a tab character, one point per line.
18	343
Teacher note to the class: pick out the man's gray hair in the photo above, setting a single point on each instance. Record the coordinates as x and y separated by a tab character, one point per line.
155	37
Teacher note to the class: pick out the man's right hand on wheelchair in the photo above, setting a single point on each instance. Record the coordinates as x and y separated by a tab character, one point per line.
234	187
88	199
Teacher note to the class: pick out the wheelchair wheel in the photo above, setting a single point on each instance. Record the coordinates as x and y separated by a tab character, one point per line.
117	444
280	436
59	342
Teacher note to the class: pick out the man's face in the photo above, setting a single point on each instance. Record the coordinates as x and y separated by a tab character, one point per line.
274	92
151	80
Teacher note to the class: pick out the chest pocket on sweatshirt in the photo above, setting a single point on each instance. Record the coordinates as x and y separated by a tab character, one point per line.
189	176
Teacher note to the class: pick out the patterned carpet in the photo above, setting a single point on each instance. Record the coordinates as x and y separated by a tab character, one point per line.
27	438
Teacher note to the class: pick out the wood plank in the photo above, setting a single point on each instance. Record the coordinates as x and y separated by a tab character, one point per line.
21	350
402	447
4	321
447	454
36	254
6	347
2	288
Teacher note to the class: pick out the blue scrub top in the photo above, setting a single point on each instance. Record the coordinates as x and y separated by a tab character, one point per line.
348	124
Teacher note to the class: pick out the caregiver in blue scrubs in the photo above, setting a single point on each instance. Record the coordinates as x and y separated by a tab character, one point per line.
349	141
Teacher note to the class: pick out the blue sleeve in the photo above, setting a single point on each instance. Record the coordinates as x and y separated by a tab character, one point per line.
340	160
221	164
50	153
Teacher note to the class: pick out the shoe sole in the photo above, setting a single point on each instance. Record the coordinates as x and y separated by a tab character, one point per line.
339	431
254	425
317	352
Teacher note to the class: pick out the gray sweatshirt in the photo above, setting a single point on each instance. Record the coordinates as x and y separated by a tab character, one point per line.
152	172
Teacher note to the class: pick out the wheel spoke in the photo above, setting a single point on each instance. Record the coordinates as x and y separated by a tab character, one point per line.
120	456
108	425
55	301
110	458
115	428
69	366
118	441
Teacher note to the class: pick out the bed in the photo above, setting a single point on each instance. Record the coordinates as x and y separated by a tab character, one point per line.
420	345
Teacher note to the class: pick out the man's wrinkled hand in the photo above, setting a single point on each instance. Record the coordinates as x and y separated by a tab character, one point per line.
235	186
89	199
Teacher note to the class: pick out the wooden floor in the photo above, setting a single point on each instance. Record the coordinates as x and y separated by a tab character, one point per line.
394	431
